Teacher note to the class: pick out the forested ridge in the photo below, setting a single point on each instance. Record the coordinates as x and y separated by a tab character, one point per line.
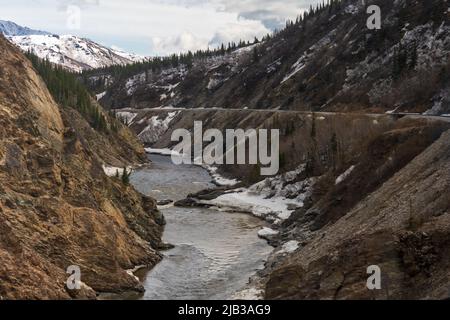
68	91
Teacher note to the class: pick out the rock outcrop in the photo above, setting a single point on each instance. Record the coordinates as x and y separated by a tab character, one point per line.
57	207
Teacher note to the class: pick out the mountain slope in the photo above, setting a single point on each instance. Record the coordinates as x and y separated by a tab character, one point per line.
9	28
326	61
57	206
403	227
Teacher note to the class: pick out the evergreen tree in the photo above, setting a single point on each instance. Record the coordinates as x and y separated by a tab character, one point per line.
313	127
68	91
400	60
126	176
255	54
413	57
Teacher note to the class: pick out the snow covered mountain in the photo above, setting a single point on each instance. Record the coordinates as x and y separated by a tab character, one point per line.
9	28
72	52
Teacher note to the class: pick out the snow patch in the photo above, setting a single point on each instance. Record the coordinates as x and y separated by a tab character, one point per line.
131	272
213	83
289	247
126	117
267	232
112	171
156	127
345	175
249	294
303	60
218	179
100	95
297	67
132	83
273	199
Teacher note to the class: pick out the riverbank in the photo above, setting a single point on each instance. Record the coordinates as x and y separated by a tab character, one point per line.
275	200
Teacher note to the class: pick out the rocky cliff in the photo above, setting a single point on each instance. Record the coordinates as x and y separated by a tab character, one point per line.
57	207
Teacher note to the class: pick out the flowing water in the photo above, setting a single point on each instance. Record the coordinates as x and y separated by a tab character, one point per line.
215	252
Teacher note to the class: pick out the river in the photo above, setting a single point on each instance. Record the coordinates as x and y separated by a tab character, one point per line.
215	252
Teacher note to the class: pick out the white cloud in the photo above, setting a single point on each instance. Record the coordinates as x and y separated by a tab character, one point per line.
242	29
182	43
157	26
272	13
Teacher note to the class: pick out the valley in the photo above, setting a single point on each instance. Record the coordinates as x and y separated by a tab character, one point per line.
215	253
91	176
302	204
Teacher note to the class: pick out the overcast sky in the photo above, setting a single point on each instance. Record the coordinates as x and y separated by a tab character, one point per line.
155	27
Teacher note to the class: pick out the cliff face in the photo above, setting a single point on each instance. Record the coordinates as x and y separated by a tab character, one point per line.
57	207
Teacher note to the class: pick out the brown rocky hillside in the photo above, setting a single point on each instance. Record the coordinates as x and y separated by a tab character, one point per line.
57	207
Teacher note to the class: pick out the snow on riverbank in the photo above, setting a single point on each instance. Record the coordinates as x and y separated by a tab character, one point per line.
112	171
273	199
251	294
267	232
218	179
289	247
274	209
